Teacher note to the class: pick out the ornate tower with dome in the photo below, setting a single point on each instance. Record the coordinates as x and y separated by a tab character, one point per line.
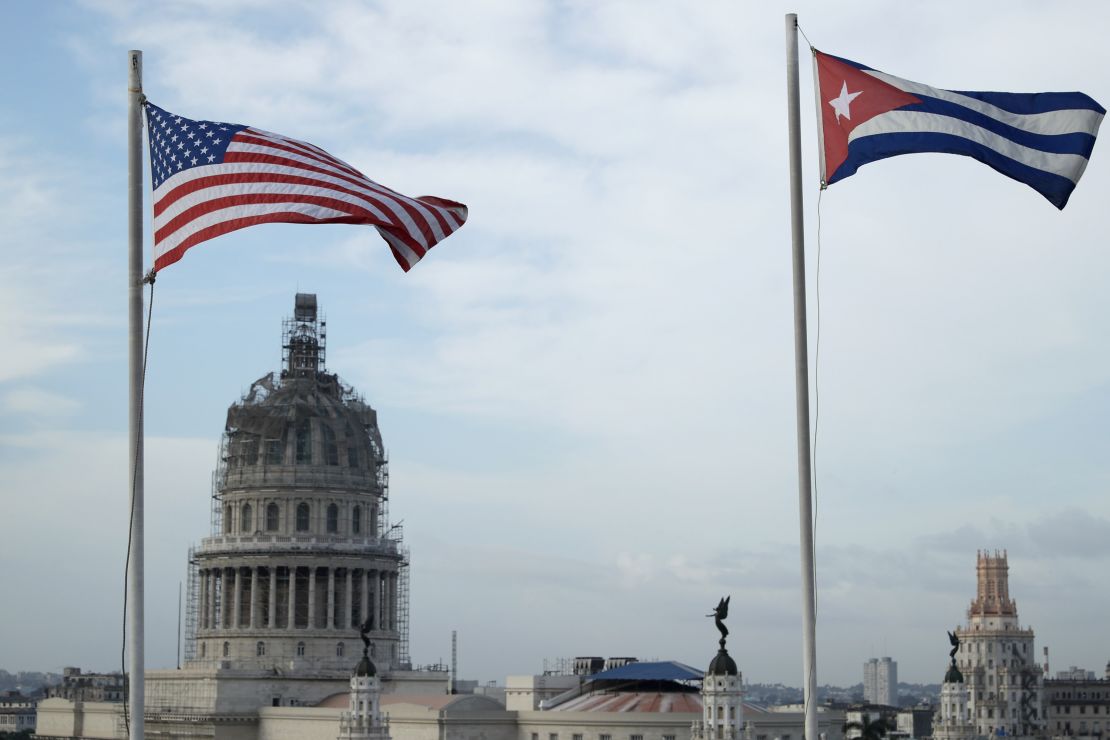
363	719
301	551
721	691
952	720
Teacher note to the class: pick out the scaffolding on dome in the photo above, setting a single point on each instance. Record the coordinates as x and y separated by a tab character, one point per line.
301	431
191	595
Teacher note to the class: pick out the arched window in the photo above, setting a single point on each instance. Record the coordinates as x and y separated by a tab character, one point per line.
333	518
273	517
300	649
246	523
203	651
227	519
339	650
356	520
302	517
331	449
304	443
227	648
260	649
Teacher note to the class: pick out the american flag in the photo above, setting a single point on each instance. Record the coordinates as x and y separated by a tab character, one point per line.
211	178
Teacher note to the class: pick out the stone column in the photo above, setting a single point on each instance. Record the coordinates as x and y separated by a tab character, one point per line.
364	607
393	600
380	594
292	596
207	588
330	623
202	586
215	610
271	618
236	597
256	607
312	597
227	591
213	591
345	621
387	589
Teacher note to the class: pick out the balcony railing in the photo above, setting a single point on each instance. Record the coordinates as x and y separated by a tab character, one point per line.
240	543
284	476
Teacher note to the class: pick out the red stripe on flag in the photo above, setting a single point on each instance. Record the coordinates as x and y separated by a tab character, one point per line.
356	214
401	200
249	137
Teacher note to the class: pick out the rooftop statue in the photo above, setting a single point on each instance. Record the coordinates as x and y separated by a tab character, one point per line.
363	630
719	615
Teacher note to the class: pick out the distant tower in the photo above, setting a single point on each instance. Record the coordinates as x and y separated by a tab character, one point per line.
952	719
880	681
363	720
997	658
301	550
721	695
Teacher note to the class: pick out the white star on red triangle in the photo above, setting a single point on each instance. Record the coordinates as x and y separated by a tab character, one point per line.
841	104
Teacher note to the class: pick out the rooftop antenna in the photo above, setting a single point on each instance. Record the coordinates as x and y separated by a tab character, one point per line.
179	625
454	675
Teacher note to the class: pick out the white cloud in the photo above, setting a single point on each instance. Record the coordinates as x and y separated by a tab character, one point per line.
36	401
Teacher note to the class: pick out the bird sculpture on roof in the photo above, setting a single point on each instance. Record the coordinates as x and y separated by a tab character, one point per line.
719	615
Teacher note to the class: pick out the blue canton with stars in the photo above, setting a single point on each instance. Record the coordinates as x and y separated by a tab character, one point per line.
178	144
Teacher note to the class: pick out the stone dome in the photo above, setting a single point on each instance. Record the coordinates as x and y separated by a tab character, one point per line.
365	667
722	665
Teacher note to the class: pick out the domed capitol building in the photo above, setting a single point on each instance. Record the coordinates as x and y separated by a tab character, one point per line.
302	557
301	552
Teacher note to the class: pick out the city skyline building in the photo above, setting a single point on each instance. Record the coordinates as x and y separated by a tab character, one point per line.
996	657
880	681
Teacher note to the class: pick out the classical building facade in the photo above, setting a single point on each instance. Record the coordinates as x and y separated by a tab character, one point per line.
1078	707
301	551
997	660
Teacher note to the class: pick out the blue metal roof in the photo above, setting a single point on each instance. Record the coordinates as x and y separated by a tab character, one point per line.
667	670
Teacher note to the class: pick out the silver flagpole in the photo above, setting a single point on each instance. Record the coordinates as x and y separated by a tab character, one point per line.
135	361
801	385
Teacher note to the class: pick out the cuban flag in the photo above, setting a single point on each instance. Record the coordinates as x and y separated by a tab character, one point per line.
1041	139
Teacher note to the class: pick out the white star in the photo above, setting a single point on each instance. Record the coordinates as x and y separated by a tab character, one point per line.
840	104
211	157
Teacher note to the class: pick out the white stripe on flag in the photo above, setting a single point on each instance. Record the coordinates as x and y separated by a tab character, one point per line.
205	195
387	201
237	212
1070	166
409	256
368	185
1066	121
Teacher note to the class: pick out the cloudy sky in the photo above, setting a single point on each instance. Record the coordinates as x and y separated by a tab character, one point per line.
587	392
